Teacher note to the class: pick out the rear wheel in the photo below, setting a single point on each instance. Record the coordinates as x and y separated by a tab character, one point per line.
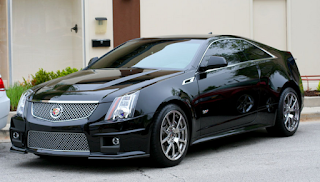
288	114
170	136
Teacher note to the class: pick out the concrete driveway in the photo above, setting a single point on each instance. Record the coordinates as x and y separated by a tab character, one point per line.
253	156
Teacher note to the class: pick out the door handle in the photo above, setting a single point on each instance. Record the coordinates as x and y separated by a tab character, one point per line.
75	28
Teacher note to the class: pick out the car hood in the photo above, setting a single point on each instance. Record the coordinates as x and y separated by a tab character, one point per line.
96	85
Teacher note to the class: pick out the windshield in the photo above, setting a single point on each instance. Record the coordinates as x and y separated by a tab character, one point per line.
151	53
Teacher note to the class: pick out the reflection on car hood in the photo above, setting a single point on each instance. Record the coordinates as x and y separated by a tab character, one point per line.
94	85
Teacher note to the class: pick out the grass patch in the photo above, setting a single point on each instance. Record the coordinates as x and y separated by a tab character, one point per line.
14	94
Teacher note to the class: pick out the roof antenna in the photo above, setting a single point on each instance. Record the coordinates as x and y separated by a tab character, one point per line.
210	33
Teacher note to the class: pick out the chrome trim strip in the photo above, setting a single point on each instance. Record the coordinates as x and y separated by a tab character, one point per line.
66	102
252	61
187	81
120	133
56	121
80	151
273	56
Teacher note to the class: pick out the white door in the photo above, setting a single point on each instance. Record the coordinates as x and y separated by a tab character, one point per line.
42	36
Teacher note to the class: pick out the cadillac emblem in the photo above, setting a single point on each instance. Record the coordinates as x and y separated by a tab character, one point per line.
55	111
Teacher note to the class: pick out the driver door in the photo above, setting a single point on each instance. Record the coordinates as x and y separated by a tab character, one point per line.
229	95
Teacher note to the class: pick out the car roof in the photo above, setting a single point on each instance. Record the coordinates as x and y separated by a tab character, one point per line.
200	36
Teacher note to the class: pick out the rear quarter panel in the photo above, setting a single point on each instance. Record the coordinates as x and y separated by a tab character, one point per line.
276	75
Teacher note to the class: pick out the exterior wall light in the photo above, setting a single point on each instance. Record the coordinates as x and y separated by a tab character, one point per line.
101	25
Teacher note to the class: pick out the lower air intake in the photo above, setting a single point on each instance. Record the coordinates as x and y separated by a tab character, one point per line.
76	142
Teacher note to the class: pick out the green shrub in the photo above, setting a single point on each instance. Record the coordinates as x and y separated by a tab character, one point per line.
14	92
318	88
65	72
43	76
40	77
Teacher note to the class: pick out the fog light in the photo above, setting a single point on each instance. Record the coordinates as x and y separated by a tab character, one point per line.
115	141
15	135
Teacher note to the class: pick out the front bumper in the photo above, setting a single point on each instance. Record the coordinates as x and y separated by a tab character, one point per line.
133	135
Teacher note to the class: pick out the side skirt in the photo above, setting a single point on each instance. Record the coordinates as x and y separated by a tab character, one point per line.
230	132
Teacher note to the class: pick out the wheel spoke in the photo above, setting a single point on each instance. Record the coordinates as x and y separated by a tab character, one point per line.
179	122
165	130
287	118
183	129
168	120
173	118
290	100
294	120
173	150
292	108
165	140
294	103
290	123
168	149
179	148
182	141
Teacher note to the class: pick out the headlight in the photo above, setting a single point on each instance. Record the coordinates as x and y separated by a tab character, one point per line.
123	107
22	102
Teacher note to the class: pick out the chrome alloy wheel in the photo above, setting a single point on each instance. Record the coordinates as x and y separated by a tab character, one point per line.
173	135
245	103
291	111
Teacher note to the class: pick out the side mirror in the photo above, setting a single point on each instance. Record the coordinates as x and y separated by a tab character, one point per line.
214	62
92	60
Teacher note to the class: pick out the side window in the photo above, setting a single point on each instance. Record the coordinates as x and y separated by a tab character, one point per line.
230	49
252	52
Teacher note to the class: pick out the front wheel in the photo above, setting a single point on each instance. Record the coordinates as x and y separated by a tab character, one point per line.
288	114
170	136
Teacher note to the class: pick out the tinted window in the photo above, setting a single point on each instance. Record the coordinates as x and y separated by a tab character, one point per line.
230	49
234	51
151	53
252	52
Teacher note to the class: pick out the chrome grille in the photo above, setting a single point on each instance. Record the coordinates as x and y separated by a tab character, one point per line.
58	141
69	111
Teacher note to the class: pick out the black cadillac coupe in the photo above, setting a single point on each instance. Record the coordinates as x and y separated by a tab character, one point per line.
157	96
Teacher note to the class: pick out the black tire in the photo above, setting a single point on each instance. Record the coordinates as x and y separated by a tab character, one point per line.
167	139
288	114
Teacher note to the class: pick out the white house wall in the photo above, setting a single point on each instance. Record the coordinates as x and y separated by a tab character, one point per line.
292	25
305	35
270	22
93	9
167	17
